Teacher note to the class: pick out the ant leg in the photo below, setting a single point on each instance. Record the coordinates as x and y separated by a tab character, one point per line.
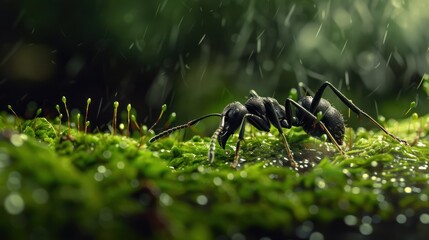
276	122
349	104
186	125
212	146
290	102
241	135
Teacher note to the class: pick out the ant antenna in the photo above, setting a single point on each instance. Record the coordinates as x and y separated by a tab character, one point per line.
186	125
215	135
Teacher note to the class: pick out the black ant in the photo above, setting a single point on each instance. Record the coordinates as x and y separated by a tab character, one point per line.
262	112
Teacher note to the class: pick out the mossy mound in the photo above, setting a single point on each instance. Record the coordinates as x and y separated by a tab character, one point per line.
103	186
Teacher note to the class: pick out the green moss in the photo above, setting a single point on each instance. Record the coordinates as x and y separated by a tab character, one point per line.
104	186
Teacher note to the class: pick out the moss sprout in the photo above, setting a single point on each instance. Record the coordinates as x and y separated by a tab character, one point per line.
64	100
88	101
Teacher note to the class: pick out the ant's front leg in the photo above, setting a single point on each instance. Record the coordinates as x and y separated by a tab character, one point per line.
274	119
261	124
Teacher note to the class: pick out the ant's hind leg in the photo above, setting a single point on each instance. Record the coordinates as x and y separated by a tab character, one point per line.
289	102
352	106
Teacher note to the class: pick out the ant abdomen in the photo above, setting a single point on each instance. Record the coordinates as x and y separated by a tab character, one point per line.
331	117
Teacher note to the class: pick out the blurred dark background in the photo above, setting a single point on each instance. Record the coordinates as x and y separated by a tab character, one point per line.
196	56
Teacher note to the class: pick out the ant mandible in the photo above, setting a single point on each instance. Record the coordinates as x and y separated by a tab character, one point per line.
262	112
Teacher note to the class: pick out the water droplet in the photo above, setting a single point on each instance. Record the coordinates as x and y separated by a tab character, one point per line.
355	190
365	229
101	169
14	181
313	209
98	177
316	236
134	183
304	230
106	215
40	196
401	218
350	220
16	140
230	176
367	219
107	154
14	204
408	190
181	178
123	144
243	174
202	199
120	165
238	236
165	199
217	181
424	218
4	160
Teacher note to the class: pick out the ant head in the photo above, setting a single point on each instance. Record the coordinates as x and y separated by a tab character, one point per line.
232	118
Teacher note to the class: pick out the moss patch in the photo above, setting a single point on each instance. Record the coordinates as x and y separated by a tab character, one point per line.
104	186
